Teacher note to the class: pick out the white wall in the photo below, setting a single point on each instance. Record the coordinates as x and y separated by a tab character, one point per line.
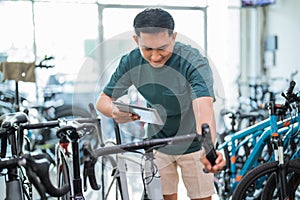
283	21
280	19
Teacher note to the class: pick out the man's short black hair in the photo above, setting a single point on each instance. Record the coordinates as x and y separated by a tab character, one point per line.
153	20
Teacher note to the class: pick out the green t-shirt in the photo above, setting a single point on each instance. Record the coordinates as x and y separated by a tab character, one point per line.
170	89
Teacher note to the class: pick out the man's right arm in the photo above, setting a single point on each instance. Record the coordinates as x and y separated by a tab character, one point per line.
104	105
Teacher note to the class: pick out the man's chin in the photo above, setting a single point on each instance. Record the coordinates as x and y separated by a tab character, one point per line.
157	65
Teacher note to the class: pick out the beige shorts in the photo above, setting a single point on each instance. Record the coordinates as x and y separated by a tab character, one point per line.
197	183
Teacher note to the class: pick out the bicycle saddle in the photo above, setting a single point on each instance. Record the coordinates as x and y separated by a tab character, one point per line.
9	119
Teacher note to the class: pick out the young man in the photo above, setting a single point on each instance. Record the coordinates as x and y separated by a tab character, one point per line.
177	80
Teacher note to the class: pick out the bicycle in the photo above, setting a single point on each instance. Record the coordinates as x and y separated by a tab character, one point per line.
147	145
73	132
63	124
19	184
256	137
37	172
278	179
117	185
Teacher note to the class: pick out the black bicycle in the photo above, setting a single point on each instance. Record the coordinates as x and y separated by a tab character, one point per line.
266	178
110	179
148	168
22	170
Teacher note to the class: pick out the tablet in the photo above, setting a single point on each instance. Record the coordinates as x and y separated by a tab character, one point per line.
148	115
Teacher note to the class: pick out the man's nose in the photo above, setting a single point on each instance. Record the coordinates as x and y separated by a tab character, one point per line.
155	55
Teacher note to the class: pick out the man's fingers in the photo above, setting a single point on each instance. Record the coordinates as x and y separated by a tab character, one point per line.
124	117
220	163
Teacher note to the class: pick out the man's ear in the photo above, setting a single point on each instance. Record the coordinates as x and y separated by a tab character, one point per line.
174	35
136	39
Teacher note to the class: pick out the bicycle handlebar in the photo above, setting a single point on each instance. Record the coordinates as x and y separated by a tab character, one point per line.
92	155
46	58
21	119
58	123
145	144
290	98
291	88
38	164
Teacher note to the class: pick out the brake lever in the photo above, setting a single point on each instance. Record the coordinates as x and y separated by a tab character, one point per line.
91	174
89	168
39	187
41	168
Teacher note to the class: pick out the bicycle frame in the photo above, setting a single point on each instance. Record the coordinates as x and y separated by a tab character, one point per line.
70	135
258	135
14	186
151	192
146	145
151	189
19	184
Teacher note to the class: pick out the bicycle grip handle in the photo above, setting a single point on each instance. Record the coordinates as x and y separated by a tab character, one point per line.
211	154
291	88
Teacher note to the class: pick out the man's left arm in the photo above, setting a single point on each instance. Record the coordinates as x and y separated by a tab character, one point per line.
204	113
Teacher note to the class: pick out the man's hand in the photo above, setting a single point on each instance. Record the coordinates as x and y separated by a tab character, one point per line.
220	163
123	117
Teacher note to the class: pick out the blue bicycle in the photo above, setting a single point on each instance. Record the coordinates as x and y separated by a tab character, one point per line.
257	139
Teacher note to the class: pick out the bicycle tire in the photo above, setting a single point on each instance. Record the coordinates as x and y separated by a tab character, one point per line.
253	182
110	181
64	176
293	183
223	179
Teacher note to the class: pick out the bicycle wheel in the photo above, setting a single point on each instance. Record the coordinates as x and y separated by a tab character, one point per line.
253	183
63	176
110	180
270	190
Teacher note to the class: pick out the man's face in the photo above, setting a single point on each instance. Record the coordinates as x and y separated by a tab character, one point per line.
156	48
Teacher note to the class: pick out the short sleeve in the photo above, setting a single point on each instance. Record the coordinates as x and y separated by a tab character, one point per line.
201	79
119	81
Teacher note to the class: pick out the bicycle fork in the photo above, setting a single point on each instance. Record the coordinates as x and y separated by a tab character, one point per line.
281	172
277	143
